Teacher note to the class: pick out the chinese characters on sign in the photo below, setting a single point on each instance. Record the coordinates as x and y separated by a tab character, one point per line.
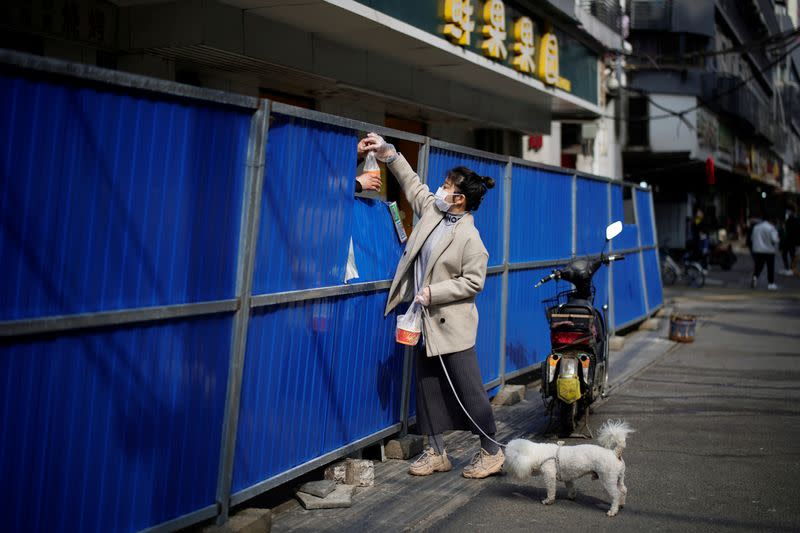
523	47
458	15
494	31
459	27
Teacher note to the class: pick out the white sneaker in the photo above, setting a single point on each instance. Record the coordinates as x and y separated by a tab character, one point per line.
772	287
786	273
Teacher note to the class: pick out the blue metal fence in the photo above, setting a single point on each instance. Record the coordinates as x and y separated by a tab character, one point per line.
178	336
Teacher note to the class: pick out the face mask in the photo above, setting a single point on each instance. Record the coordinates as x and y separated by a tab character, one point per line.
441	203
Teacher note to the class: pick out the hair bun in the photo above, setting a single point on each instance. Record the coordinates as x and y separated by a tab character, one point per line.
488	182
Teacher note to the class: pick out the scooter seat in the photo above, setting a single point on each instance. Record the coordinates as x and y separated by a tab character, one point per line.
576	308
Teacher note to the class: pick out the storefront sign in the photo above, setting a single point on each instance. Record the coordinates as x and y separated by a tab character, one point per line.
459	26
494	31
458	15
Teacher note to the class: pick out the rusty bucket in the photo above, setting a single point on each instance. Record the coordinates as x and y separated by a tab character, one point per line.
682	328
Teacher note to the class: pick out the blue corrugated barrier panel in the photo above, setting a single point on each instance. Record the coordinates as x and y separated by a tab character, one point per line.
527	331
541	215
489	216
376	247
628	290
655	296
112	429
644	217
307	206
629	238
488	342
318	375
592	215
600	281
114	201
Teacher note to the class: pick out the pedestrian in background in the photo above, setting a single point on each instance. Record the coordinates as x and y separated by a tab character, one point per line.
765	243
791	240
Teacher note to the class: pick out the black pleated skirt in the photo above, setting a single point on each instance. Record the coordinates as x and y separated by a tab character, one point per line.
437	408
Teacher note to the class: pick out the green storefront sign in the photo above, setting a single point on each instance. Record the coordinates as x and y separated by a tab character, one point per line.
523	42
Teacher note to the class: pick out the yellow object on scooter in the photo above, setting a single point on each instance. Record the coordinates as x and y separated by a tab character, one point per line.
568	388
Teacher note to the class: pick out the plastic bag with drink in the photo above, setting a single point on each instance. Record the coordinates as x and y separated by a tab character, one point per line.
409	326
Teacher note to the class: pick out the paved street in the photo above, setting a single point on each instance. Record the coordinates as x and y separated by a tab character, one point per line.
717	430
715	448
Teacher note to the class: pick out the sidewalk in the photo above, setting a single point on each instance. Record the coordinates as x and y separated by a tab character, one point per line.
399	501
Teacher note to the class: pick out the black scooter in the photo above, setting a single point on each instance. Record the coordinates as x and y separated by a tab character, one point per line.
575	374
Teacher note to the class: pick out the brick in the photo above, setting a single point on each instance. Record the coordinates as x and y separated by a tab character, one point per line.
320	489
650	324
509	395
336	472
616	343
405	447
341	497
359	472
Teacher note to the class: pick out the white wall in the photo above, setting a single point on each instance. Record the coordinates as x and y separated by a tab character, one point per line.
608	147
673	134
550	152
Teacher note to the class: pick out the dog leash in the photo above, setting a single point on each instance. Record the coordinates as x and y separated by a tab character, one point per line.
453	388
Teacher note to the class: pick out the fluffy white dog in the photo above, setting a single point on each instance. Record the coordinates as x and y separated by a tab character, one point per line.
567	463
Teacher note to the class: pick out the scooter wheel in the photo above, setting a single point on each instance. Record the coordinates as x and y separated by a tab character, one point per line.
567	413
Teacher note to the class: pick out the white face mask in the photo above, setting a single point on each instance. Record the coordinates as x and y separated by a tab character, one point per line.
441	199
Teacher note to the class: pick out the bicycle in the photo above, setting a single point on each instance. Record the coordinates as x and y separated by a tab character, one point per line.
671	271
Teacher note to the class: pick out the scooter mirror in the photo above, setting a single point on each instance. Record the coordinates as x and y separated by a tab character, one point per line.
613	230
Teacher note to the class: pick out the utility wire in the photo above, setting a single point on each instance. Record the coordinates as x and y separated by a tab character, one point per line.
743	82
768	44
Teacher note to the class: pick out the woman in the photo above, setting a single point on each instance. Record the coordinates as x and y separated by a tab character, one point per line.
443	268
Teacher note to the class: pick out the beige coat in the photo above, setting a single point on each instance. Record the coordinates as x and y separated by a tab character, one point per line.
455	274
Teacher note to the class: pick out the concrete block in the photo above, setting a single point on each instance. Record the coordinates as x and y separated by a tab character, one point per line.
359	472
341	497
650	324
245	521
405	447
509	395
336	472
320	489
616	343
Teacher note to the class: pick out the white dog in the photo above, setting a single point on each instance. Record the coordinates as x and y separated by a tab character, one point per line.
567	463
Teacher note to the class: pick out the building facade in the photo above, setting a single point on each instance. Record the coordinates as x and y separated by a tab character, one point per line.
713	111
482	74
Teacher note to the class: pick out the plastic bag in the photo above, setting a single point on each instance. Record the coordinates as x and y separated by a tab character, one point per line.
409	326
371	165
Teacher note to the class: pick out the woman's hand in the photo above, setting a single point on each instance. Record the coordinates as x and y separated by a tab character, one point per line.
369	182
383	150
424	297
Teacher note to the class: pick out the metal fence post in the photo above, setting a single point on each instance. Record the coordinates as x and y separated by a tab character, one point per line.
641	252
408	353
506	247
574	215
611	318
655	243
248	233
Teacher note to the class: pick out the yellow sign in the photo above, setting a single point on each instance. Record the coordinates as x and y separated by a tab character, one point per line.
523	46
458	15
494	31
459	27
548	58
